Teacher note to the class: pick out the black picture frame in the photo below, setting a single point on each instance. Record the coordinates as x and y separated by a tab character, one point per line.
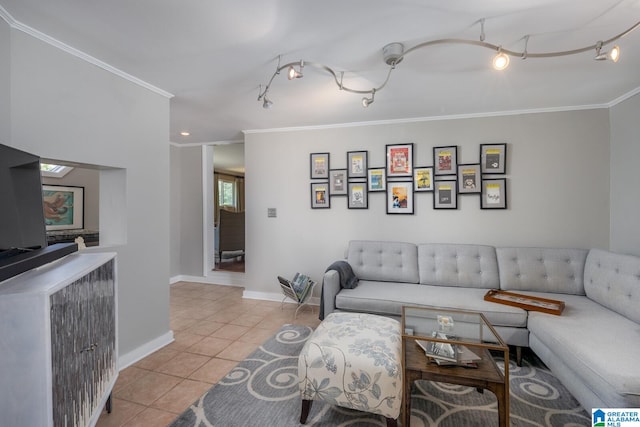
445	194
423	179
400	160
400	197
338	182
358	197
319	164
357	164
494	193
320	195
376	179
469	178
445	160
493	159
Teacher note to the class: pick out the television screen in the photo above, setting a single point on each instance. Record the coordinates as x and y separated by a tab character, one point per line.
21	217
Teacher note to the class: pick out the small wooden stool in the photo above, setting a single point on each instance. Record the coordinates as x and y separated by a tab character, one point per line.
353	360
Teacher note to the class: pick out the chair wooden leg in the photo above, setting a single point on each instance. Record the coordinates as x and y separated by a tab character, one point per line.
306	407
392	422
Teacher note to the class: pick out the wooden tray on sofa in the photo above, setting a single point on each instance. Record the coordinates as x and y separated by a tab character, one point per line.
526	302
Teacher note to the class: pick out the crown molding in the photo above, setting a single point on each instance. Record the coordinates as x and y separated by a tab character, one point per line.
429	119
624	97
13	23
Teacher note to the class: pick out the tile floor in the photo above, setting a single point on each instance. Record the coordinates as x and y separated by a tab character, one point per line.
214	328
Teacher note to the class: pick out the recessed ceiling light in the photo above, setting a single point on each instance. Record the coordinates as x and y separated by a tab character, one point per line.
185	133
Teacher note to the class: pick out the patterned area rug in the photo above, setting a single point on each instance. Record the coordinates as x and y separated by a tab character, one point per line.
263	391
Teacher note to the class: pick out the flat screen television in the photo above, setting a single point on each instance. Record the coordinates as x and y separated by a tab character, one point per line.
23	236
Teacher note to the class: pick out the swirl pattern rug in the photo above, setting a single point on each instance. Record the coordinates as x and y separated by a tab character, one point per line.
263	391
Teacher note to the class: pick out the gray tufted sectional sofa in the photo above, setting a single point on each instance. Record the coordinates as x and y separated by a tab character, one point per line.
593	347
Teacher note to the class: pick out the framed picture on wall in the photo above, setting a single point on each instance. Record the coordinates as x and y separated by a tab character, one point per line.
357	164
376	179
319	165
445	195
493	158
494	194
423	179
400	160
338	182
445	160
320	195
469	178
358	198
63	207
400	197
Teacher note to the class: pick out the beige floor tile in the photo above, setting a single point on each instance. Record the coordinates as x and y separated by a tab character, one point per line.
151	417
204	327
238	351
256	335
248	320
209	346
231	332
180	323
129	375
148	388
156	359
223	317
183	340
213	370
181	396
183	365
121	412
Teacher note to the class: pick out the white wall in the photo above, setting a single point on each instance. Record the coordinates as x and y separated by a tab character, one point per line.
190	223
625	176
5	83
65	108
175	205
558	190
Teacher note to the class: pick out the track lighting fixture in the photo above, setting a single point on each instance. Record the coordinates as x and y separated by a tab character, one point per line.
293	74
394	53
613	54
500	61
368	101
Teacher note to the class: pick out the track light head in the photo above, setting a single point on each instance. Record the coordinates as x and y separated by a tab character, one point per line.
368	101
614	53
501	60
266	103
293	73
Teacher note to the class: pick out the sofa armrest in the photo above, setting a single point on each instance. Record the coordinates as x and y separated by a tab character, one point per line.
330	288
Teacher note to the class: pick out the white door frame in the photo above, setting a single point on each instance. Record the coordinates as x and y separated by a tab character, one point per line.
208	250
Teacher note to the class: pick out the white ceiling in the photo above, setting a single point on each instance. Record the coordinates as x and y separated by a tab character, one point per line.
212	55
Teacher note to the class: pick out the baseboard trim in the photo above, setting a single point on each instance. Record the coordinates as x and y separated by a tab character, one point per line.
275	296
144	350
215	278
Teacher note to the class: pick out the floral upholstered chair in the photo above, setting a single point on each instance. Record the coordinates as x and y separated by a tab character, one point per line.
353	360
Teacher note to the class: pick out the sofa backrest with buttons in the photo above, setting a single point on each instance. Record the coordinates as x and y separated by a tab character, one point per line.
469	266
542	269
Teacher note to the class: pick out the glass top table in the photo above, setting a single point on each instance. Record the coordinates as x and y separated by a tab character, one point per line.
453	346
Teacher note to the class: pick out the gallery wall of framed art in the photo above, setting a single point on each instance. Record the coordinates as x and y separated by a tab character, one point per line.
446	178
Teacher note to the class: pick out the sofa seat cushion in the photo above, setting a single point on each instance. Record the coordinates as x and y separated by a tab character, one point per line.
388	299
386	261
468	266
600	345
542	269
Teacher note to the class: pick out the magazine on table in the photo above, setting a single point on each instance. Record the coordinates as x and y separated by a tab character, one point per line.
448	353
